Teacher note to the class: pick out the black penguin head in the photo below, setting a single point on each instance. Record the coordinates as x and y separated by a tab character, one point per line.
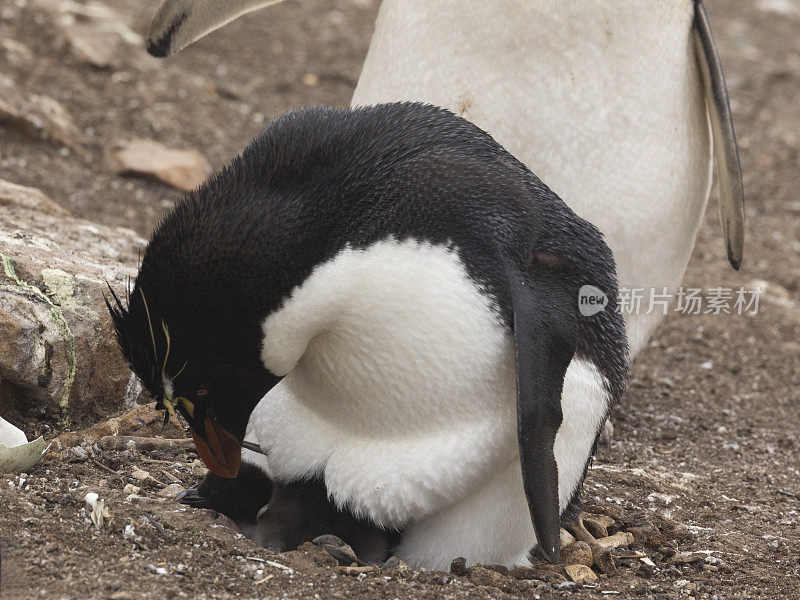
190	330
188	370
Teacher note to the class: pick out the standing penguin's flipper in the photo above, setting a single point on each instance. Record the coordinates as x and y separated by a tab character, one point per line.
726	151
178	23
545	331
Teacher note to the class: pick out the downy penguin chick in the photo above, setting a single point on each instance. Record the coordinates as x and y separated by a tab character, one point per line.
397	297
239	498
300	512
282	517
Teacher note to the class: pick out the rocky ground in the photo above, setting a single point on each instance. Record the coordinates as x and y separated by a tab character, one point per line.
701	482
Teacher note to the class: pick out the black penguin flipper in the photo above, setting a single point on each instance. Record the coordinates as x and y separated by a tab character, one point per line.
726	150
545	334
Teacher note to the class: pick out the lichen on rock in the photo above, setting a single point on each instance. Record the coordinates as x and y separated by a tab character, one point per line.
57	348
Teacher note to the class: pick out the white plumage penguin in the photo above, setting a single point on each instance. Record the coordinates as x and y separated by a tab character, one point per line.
616	105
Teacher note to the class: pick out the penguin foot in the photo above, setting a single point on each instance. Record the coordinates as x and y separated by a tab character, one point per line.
603	558
192	498
338	549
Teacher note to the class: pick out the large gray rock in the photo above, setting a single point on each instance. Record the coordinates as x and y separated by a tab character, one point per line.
58	354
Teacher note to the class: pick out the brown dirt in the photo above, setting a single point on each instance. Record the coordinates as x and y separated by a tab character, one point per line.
707	456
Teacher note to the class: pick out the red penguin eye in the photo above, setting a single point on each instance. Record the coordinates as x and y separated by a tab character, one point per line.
202	392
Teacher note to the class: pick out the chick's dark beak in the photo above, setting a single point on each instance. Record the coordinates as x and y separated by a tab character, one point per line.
217	448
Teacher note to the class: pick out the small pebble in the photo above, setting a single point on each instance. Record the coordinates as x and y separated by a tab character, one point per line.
459	566
172	490
131	489
566	585
77	454
198	469
577	553
581	574
157	570
91	499
140	474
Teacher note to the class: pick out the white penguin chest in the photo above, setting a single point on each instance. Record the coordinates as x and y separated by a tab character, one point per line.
396	363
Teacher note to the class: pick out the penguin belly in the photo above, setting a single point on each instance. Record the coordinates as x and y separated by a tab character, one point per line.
605	105
400	393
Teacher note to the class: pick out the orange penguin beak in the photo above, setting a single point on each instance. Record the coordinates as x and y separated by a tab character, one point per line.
218	449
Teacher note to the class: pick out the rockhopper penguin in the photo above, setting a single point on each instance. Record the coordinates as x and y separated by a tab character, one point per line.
397	297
